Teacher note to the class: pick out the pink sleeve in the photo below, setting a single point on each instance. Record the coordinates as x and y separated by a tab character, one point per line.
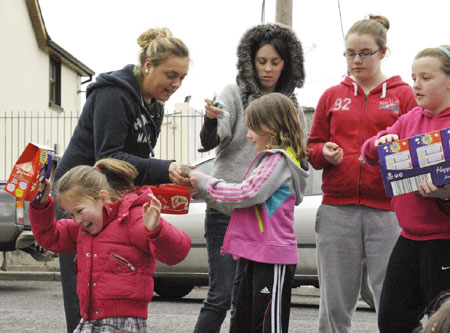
171	245
166	243
369	152
56	236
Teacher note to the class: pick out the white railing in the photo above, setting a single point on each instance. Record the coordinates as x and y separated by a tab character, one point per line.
178	140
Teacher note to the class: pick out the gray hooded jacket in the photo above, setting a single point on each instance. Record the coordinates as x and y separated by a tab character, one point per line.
234	152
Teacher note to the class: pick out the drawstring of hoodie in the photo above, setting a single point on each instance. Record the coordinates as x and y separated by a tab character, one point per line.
355	88
383	89
383	93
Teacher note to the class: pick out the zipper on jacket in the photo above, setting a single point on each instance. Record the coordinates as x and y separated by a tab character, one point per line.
261	227
152	153
75	263
123	261
362	141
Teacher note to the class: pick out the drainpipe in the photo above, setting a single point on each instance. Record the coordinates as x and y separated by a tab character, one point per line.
88	80
83	82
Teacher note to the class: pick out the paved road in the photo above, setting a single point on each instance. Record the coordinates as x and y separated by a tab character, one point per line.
37	306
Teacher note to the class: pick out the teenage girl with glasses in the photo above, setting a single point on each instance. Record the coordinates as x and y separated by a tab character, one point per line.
355	221
419	267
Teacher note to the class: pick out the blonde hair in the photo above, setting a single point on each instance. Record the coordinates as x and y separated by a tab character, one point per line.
439	321
375	26
439	54
275	115
85	182
158	44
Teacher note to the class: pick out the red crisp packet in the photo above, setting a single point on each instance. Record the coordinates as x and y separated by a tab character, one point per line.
34	166
174	199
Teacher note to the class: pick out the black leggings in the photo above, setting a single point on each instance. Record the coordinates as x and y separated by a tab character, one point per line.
417	273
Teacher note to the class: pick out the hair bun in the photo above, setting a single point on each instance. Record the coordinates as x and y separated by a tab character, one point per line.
380	19
151	34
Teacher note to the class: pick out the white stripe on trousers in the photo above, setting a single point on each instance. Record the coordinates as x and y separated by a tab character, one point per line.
279	272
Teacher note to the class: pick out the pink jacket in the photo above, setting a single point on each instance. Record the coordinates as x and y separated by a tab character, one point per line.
116	266
261	227
420	218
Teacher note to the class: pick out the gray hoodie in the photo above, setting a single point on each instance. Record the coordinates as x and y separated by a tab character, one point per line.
235	152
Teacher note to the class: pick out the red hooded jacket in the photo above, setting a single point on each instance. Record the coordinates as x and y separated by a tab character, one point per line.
347	117
116	266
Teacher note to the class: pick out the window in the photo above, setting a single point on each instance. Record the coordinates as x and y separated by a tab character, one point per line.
55	84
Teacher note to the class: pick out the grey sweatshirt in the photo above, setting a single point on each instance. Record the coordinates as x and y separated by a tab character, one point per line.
235	152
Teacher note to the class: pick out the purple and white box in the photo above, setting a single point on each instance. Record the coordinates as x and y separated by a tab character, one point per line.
404	165
427	149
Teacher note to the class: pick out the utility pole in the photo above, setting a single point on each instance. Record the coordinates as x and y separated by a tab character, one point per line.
284	12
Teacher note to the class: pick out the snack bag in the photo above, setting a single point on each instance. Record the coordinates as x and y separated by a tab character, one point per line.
174	198
34	166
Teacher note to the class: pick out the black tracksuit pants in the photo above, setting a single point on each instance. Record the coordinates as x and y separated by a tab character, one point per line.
264	298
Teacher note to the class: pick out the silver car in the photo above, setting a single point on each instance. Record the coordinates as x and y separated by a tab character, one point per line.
177	281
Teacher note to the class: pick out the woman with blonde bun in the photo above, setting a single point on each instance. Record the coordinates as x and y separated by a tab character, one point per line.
121	119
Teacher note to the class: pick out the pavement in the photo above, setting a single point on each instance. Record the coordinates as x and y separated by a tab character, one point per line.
21	266
56	276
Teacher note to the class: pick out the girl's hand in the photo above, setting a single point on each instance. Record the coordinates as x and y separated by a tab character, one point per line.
333	153
211	111
428	189
151	213
386	139
192	191
195	176
45	194
179	173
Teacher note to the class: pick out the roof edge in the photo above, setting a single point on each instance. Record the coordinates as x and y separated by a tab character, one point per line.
68	59
37	22
47	45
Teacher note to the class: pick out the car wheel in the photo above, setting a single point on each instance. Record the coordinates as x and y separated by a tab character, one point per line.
366	289
170	291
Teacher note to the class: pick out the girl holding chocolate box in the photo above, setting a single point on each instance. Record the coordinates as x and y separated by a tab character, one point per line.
419	266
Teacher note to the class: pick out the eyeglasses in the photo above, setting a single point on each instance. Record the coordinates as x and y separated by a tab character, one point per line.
362	55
